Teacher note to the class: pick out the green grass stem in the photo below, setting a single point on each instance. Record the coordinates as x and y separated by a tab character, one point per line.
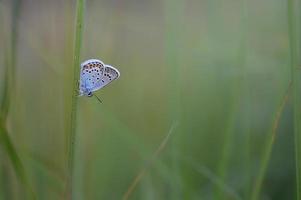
76	67
213	178
174	11
17	164
246	91
8	91
223	165
143	171
10	61
269	146
230	124
294	42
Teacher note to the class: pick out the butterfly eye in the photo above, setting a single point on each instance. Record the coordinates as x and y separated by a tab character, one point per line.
90	94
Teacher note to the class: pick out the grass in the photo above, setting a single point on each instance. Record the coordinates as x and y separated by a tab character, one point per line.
269	145
143	171
16	162
7	95
213	178
219	69
294	41
239	96
76	67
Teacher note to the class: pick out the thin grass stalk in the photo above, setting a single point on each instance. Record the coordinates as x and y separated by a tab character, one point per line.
17	164
212	178
246	127
269	145
223	165
10	61
214	27
6	189
76	67
143	171
8	91
173	17
294	42
232	119
156	165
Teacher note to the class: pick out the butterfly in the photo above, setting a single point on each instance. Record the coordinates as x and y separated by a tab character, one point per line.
94	75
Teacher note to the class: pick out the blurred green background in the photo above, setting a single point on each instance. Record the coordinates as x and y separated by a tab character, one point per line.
202	78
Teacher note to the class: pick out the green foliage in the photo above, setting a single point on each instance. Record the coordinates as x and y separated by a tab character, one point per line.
294	44
200	110
10	58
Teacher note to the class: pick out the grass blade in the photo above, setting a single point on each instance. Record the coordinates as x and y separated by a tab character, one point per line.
76	64
141	174
269	146
294	41
231	122
10	60
19	169
213	178
8	89
174	16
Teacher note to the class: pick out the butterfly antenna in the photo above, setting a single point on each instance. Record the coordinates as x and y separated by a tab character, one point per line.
97	98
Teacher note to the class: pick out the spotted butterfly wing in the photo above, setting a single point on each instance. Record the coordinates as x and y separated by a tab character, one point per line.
109	75
95	75
91	71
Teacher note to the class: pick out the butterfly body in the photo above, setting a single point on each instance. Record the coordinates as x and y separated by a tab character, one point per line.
94	75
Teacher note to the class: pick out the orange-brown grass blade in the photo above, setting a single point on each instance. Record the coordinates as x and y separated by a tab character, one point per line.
142	172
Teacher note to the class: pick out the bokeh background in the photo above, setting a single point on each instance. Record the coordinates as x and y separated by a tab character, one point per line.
194	109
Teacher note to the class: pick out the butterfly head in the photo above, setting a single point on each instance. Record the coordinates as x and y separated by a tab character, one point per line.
90	94
87	92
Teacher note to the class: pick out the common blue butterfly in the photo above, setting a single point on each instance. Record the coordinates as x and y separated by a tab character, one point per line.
94	75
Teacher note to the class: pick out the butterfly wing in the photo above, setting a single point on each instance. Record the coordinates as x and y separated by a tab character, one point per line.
110	74
91	72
